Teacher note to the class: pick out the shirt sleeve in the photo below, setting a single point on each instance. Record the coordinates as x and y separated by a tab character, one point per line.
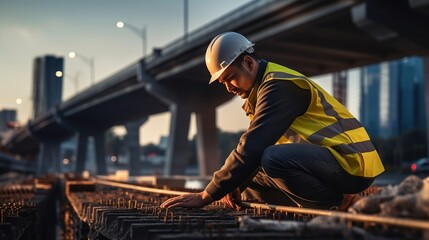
279	103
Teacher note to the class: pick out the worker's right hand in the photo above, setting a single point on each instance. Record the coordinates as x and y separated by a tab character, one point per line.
233	199
191	200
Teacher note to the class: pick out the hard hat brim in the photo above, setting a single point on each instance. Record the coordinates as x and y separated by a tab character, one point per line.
216	75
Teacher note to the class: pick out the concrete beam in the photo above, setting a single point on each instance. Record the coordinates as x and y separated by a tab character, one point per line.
306	17
63	122
378	31
420	5
386	20
154	88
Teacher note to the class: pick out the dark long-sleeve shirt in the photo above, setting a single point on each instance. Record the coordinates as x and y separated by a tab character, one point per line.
278	104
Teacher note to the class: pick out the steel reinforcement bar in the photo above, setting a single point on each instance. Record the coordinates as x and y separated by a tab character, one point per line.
365	218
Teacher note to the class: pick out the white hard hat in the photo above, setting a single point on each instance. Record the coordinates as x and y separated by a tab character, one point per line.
223	50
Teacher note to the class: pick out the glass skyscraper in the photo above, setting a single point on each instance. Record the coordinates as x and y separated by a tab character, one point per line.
392	97
6	116
47	83
370	94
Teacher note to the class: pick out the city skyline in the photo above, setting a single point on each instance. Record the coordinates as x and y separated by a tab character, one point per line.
30	29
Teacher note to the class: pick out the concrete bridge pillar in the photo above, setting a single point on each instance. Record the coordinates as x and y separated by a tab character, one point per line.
82	150
177	151
100	152
133	144
426	76
207	141
49	157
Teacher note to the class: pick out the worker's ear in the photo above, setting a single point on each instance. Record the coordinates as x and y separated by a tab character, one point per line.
248	62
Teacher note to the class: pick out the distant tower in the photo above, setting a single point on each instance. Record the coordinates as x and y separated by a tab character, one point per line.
47	83
370	99
6	116
407	73
392	97
340	86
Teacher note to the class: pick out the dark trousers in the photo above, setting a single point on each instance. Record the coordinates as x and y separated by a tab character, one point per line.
302	175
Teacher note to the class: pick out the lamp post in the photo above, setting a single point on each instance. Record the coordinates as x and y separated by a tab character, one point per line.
75	80
185	19
141	32
89	61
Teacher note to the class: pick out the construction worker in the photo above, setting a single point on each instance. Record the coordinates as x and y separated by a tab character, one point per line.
302	148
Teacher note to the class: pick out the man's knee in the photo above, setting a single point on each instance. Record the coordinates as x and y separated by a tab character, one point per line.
278	158
269	159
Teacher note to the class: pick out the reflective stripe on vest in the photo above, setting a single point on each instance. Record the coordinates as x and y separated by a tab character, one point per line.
359	147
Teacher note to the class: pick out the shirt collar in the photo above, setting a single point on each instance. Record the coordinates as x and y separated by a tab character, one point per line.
250	102
261	71
259	76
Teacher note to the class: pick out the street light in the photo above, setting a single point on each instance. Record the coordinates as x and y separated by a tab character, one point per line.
185	19
141	32
89	61
75	80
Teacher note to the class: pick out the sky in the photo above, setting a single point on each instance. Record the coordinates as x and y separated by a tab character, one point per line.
29	29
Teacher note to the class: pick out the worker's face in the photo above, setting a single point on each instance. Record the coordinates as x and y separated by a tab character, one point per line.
239	81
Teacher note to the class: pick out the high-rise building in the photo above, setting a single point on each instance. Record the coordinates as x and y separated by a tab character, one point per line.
47	83
340	86
6	116
392	97
369	107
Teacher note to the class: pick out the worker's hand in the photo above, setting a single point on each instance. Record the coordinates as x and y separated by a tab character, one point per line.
192	200
233	199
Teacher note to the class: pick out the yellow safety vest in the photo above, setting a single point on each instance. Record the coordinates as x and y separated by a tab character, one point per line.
327	123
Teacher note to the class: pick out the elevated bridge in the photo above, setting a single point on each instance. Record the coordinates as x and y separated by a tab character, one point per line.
314	37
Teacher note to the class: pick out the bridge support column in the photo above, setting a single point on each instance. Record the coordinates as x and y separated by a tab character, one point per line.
207	142
56	161
176	156
133	143
426	76
100	152
41	160
82	150
49	157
